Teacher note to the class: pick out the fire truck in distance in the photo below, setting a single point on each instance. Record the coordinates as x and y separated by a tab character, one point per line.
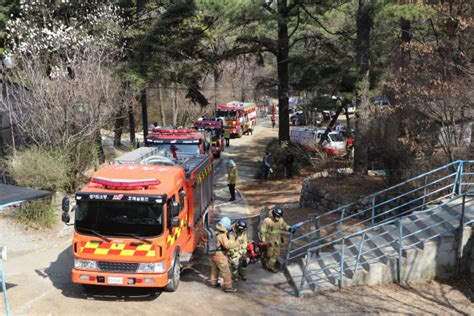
215	127
138	220
178	141
236	116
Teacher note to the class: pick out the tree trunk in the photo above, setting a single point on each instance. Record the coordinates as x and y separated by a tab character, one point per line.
131	121
144	112
361	144
119	124
216	79
405	38
98	141
242	81
162	108
140	6
348	121
216	72
174	102
282	65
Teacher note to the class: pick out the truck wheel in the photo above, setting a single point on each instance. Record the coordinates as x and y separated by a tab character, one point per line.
174	275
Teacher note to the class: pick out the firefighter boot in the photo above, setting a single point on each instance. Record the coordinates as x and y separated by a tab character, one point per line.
230	290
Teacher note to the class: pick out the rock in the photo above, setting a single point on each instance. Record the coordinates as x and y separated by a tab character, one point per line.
333	205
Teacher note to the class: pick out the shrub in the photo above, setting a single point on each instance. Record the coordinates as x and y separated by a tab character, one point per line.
280	149
80	158
38	213
39	168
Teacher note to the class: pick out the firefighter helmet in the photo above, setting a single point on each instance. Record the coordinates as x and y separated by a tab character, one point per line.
230	163
225	221
277	213
241	225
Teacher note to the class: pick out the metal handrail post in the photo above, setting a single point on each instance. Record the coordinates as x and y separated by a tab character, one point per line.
305	270
361	244
343	213
424	193
456	178
341	265
460	236
318	232
460	178
400	249
290	239
4	289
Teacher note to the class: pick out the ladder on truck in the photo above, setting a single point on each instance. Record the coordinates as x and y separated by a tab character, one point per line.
3	255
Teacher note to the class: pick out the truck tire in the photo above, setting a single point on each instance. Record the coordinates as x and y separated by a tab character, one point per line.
174	275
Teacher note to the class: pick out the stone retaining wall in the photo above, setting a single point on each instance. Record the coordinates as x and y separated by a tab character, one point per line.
317	197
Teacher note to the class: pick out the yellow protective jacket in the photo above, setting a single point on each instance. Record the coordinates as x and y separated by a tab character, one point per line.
232	175
270	230
241	239
226	133
223	242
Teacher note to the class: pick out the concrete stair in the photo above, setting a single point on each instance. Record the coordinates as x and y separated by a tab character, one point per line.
428	250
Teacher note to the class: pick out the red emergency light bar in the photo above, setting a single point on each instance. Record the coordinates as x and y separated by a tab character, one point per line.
174	131
125	184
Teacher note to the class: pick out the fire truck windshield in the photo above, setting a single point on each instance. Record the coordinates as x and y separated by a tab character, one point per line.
181	148
229	115
112	218
335	137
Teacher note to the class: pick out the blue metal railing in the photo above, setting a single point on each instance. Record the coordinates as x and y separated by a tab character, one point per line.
4	286
414	194
427	192
348	264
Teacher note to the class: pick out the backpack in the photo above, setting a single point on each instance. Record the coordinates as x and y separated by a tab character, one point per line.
209	241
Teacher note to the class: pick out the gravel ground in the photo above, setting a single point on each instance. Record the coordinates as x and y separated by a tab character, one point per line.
38	278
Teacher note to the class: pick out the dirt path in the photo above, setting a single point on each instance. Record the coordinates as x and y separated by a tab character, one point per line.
39	265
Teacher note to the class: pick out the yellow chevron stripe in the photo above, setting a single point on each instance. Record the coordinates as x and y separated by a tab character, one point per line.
144	247
92	244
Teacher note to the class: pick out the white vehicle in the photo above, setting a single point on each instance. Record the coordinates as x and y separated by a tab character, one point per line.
350	109
311	137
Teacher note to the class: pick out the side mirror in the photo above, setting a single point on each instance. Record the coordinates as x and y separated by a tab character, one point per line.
65	218
175	221
174	209
65	204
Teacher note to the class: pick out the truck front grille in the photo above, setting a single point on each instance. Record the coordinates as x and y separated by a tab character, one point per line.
124	267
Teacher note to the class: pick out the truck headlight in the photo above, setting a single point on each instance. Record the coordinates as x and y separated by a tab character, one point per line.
85	264
150	267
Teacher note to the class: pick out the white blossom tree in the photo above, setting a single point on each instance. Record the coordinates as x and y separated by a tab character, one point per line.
63	89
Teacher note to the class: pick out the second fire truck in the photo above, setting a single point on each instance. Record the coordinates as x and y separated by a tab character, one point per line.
237	116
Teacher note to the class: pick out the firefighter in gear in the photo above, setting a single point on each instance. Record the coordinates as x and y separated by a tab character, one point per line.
220	260
237	259
227	136
270	233
231	178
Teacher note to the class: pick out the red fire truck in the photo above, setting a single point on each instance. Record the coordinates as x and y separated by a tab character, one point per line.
236	116
216	129
187	142
136	224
